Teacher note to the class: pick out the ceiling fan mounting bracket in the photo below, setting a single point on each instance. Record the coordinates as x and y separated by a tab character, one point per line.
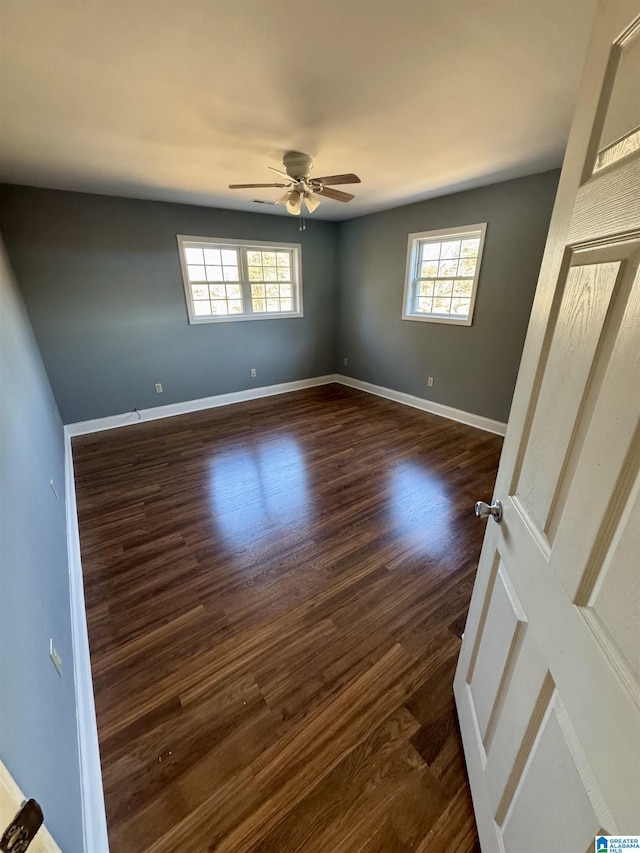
297	165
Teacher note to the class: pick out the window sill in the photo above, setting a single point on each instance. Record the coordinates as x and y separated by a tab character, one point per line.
449	321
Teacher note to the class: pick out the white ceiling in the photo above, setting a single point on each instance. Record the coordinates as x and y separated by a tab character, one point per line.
175	100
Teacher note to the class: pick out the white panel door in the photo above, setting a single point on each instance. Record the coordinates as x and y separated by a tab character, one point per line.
548	681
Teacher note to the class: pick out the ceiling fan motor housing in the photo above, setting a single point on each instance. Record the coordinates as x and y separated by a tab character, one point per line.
297	165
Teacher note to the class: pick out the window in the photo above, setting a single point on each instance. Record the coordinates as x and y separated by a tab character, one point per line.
228	280
442	275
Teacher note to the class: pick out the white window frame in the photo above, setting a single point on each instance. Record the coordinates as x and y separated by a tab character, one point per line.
244	246
412	278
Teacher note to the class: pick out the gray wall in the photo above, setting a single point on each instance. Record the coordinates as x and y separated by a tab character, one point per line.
474	367
38	734
101	280
102	283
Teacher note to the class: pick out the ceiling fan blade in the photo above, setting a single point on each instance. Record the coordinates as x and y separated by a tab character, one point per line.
252	186
311	201
330	180
336	195
284	174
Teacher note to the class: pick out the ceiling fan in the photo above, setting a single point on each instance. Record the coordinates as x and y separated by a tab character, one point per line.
300	187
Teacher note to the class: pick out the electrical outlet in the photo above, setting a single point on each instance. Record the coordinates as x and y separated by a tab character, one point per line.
158	387
345	361
430	382
56	660
253	373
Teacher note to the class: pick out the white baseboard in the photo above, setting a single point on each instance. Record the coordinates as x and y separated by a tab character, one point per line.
94	818
157	412
130	418
497	427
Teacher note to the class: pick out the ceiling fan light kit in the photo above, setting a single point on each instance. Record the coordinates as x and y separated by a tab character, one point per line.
293	203
301	187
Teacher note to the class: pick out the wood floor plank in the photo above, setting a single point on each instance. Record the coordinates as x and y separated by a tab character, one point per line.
275	595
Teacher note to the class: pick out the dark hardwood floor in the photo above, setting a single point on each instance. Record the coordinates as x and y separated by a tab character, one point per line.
275	595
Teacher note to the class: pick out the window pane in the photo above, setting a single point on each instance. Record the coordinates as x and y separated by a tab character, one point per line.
443	288
441	306
230	257
193	256
196	274
451	249
448	268
470	248
460	307
429	269
430	251
214	273
218	277
463	288
231	274
199	291
441	283
467	266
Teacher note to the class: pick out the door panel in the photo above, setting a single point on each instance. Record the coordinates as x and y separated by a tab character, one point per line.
547	686
497	646
615	603
578	330
556	783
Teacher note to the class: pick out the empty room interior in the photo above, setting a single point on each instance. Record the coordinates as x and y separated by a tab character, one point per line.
320	425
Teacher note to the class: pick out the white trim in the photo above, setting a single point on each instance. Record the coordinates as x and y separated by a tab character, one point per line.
94	818
469	418
157	412
410	277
